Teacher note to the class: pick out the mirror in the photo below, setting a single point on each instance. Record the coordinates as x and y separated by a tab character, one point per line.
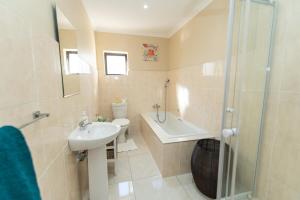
69	59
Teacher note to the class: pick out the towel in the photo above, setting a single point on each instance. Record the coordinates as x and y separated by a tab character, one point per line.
17	175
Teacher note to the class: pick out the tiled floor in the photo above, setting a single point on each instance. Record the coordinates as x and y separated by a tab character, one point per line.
138	178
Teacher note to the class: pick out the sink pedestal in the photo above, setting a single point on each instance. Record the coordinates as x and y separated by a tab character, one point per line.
98	176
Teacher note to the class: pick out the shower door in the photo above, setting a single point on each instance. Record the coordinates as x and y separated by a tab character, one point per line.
248	66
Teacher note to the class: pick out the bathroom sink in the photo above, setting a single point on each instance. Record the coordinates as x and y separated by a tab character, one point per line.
95	135
94	139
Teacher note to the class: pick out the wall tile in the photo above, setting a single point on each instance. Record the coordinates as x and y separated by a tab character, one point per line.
280	160
198	98
16	61
30	80
142	89
53	183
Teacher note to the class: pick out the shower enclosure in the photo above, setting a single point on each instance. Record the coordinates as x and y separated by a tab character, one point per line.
248	64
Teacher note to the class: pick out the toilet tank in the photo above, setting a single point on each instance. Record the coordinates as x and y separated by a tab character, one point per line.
119	110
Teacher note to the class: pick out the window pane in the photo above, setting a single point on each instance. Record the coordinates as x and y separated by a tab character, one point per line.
116	64
74	63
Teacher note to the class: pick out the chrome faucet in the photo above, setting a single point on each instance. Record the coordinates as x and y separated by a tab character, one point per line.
156	106
83	124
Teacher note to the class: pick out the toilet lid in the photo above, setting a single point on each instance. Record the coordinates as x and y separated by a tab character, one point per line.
121	122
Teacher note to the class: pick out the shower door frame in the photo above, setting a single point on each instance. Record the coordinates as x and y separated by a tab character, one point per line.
230	33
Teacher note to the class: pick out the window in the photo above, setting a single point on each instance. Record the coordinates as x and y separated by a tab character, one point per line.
73	63
115	63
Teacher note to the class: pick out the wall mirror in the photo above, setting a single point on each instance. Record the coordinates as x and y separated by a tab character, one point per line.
69	58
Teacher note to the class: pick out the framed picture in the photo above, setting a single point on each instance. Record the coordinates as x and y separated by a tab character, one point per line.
150	52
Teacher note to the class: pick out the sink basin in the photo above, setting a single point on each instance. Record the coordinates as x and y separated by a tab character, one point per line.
95	135
94	139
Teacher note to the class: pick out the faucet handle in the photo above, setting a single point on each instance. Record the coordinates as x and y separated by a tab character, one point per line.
81	123
156	106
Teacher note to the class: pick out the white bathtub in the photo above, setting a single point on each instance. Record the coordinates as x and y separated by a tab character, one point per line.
174	129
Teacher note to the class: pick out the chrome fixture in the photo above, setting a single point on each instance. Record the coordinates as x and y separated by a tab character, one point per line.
228	132
81	155
230	110
83	124
36	116
167	83
157	106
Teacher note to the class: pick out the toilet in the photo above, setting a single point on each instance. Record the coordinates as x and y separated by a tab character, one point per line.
120	118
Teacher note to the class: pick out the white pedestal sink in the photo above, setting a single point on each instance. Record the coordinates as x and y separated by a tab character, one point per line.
94	139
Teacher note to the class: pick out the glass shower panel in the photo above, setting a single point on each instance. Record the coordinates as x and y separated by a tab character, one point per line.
247	88
253	70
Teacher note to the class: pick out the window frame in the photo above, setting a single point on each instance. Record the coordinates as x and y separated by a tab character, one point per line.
107	53
67	53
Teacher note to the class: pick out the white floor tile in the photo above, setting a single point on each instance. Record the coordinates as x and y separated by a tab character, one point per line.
121	172
158	188
143	166
142	147
121	191
138	166
187	182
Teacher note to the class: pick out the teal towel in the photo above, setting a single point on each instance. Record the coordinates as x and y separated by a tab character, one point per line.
17	176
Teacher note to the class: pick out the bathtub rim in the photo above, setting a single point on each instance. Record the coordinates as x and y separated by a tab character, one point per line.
163	135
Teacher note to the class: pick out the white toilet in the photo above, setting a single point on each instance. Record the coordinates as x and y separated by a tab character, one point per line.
120	118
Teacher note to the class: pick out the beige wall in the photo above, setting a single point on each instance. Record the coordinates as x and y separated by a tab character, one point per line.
31	80
196	60
193	59
201	40
196	73
279	169
133	45
143	86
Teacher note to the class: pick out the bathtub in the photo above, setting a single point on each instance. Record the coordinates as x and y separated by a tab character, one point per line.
171	143
174	129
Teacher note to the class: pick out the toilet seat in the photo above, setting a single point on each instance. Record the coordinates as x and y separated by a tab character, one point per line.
121	122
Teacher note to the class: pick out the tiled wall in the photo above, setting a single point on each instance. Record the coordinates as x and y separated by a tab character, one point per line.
143	87
197	97
279	169
196	60
172	158
30	80
193	60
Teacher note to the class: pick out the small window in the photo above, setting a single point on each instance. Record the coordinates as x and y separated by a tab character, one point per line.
115	63
73	63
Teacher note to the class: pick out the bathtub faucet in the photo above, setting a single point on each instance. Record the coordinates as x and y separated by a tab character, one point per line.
156	106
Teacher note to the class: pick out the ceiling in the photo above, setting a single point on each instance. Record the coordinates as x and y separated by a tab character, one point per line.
62	20
160	18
